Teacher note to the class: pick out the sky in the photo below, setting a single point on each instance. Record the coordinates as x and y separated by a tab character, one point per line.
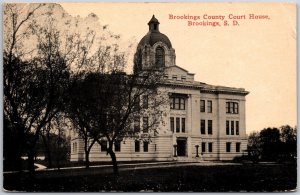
258	54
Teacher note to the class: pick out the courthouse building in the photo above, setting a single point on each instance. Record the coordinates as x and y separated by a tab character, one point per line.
203	122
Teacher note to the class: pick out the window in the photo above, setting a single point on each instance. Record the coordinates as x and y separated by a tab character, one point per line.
177	125
75	147
210	147
228	146
232	107
136	126
202	105
227	127
174	77
137	146
203	147
232	127
237	127
172	124
209	106
160	57
136	106
145	101
238	147
182	104
177	103
166	76
183	78
117	146
103	146
145	125
202	126
182	125
145	146
209	127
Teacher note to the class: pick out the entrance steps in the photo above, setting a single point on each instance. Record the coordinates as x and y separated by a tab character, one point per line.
188	159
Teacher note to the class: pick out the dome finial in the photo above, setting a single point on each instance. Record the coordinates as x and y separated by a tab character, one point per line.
153	24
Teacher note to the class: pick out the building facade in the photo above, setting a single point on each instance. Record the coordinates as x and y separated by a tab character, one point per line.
203	122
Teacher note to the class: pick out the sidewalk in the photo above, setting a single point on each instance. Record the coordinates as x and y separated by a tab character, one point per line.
122	167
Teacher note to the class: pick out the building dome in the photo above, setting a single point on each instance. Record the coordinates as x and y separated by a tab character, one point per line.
154	36
154	50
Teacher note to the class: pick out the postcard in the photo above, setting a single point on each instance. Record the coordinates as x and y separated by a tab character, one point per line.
149	97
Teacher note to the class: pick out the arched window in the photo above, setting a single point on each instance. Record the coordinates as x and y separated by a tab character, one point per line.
160	57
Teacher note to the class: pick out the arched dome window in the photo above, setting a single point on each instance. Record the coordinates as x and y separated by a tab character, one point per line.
160	57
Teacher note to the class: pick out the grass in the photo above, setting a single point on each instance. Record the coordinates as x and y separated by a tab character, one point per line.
228	178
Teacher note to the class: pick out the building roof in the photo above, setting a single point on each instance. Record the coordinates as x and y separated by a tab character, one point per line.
154	36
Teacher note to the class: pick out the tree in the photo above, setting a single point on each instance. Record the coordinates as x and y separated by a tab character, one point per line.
288	136
271	144
33	87
122	103
254	144
80	112
54	143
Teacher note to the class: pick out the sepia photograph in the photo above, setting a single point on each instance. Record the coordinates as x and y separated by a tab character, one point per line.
149	97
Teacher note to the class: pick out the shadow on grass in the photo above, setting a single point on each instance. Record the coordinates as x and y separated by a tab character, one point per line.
230	178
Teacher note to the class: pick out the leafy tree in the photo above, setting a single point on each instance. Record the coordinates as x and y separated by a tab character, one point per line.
255	144
270	138
33	86
288	136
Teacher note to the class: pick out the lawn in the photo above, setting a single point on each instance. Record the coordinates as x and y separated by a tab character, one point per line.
234	178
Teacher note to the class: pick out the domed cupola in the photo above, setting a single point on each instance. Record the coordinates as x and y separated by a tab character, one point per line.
154	49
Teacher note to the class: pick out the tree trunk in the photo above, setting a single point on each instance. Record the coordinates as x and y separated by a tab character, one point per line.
87	159
114	161
31	161
48	152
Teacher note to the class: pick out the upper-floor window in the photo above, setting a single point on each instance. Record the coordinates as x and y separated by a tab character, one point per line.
172	124
227	127
237	127
232	127
145	101
180	127
136	125
160	57
232	107
209	127
136	102
202	128
177	103
183	78
177	125
202	105
145	125
174	77
209	106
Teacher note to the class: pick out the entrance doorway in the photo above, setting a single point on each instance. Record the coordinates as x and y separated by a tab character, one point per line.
181	147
